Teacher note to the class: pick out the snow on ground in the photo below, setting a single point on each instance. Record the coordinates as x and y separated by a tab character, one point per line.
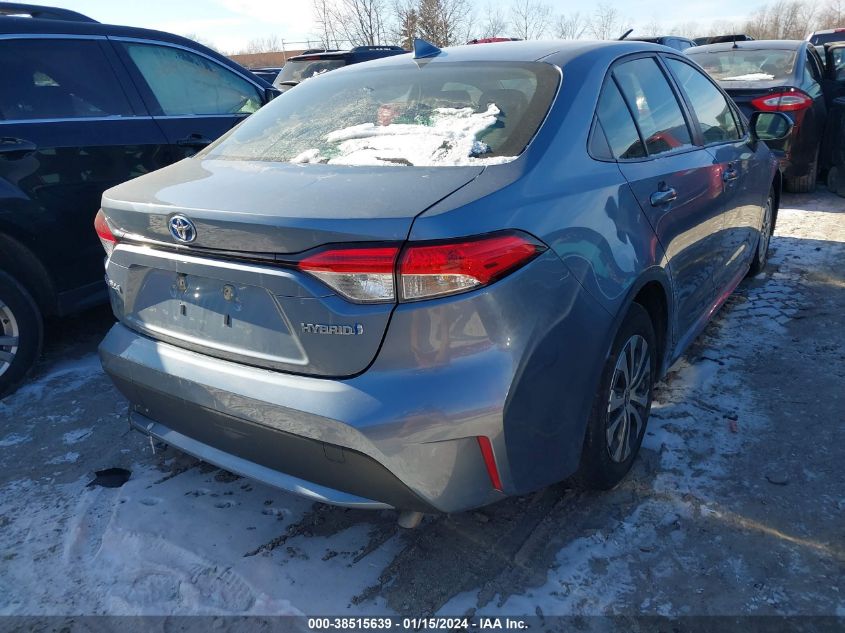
702	525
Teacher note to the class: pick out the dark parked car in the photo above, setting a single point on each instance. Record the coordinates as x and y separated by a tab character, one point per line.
776	76
83	107
267	74
433	285
672	41
307	65
835	136
828	36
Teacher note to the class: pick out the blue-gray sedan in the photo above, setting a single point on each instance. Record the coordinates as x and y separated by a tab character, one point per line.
432	281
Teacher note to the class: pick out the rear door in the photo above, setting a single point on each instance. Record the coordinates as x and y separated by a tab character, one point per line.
72	128
193	98
677	184
724	135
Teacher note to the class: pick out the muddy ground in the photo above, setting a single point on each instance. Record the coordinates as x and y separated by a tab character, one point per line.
736	505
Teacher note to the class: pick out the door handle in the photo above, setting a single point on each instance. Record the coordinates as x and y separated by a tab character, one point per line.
194	140
16	146
663	196
730	174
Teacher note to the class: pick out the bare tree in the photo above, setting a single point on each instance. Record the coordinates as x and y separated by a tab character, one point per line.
832	15
406	27
782	20
687	29
494	22
361	22
325	22
653	28
444	22
269	44
605	22
530	19
570	26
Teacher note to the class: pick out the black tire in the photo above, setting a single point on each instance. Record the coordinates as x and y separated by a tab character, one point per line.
600	470
836	181
804	184
761	255
19	316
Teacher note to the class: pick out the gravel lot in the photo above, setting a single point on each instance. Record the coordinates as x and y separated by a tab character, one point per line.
736	505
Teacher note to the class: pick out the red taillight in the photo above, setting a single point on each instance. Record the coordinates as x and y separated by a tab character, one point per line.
107	238
490	461
360	274
424	270
442	269
783	102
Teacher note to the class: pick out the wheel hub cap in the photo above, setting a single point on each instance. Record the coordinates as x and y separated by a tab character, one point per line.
629	400
9	337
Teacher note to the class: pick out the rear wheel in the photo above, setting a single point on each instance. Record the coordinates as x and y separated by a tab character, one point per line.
622	405
836	181
762	254
21	333
804	184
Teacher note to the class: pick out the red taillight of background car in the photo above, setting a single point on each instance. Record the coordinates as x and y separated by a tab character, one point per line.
424	270
435	270
790	101
107	238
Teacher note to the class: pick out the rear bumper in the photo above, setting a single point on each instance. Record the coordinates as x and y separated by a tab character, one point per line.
287	446
404	433
324	439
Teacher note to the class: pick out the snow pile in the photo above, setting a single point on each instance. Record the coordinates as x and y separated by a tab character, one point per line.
448	138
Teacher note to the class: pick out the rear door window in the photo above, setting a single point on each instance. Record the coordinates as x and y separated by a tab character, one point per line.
618	125
714	113
185	83
58	79
652	101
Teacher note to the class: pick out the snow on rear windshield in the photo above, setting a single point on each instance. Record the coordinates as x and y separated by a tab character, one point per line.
741	64
440	114
447	137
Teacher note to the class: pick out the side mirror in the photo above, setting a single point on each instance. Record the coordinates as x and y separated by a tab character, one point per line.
770	126
270	94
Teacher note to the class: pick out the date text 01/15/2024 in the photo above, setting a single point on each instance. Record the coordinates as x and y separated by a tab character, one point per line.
416	624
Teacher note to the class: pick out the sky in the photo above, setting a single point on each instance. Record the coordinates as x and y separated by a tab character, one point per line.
230	24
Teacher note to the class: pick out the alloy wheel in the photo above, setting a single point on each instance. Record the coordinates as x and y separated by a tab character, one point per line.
9	337
627	406
765	233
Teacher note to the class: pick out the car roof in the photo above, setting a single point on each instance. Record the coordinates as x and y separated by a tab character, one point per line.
14	25
559	51
760	45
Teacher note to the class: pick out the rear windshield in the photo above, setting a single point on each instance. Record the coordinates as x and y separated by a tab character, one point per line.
305	69
827	38
741	64
407	115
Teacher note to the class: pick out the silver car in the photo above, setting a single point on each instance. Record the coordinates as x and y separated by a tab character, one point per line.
432	281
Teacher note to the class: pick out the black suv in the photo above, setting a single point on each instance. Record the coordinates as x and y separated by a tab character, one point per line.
309	64
83	107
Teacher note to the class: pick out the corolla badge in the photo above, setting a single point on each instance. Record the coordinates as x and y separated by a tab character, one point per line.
182	229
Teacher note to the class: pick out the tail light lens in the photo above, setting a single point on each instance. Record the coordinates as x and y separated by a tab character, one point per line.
359	274
791	101
436	270
107	238
424	270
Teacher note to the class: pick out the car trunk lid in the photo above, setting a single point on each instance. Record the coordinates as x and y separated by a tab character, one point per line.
233	292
